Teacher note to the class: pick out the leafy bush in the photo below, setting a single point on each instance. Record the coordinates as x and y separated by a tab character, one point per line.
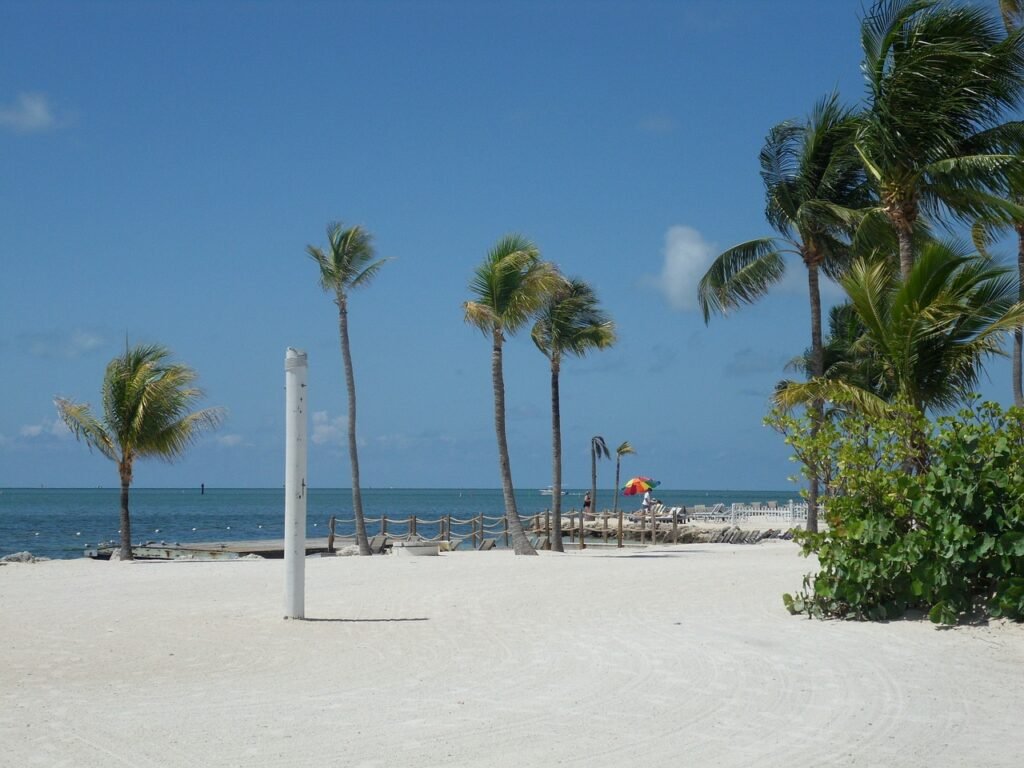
920	515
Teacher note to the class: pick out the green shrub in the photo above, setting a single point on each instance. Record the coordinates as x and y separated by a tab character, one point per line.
924	516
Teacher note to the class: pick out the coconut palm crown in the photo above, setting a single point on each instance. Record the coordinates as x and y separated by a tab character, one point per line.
926	337
147	413
941	78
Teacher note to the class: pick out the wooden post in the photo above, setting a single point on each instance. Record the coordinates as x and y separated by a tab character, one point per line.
448	527
582	544
330	533
547	526
675	526
481	527
621	513
643	522
504	520
604	525
412	526
383	525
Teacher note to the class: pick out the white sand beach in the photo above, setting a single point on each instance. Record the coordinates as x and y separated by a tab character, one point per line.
647	657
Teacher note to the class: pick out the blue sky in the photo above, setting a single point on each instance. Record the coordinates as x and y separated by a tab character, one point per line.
166	164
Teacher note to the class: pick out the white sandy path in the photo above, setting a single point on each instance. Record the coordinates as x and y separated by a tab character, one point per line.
676	656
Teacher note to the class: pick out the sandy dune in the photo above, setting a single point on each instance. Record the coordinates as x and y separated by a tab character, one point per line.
673	656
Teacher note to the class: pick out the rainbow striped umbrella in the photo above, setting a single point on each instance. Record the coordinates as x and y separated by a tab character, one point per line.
637	485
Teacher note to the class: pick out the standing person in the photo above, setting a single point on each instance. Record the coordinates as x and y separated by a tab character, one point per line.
648	501
586	504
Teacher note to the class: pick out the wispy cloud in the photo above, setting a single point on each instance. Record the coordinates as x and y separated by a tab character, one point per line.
29	113
659	125
229	441
687	256
328	430
46	428
67	344
754	362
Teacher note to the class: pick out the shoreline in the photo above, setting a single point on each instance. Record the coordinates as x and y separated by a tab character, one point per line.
612	657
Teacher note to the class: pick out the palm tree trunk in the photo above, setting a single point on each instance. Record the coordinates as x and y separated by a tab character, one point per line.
615	504
556	460
903	233
593	492
817	369
353	455
1018	333
126	519
520	544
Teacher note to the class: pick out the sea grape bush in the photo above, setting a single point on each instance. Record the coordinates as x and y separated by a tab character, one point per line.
920	515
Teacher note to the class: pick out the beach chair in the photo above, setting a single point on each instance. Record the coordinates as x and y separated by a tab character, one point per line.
487	544
377	544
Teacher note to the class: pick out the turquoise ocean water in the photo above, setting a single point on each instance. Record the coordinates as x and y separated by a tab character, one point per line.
63	522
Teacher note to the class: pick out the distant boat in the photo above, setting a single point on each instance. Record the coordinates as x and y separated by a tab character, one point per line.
549	491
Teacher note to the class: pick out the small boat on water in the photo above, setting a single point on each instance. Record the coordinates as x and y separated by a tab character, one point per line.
549	491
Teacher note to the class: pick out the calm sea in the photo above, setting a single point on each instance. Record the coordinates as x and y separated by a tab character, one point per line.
62	523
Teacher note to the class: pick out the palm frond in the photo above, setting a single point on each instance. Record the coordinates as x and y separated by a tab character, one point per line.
741	275
86	427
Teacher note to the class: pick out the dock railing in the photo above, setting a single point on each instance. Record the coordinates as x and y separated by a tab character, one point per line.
603	526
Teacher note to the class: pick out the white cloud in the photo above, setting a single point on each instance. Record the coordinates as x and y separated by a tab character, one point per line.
229	441
55	428
687	256
67	345
30	113
657	124
328	430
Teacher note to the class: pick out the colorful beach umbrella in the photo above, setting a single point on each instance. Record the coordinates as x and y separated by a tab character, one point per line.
638	485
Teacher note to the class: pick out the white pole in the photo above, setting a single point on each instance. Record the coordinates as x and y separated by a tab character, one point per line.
295	484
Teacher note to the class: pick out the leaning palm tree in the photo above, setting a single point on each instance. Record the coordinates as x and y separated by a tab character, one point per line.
624	449
569	323
147	403
941	78
509	286
814	190
927	337
598	450
348	263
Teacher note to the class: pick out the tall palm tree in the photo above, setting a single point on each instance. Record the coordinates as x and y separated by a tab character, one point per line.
348	263
940	77
927	336
598	450
147	403
508	287
814	188
1013	19
624	449
569	323
984	232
